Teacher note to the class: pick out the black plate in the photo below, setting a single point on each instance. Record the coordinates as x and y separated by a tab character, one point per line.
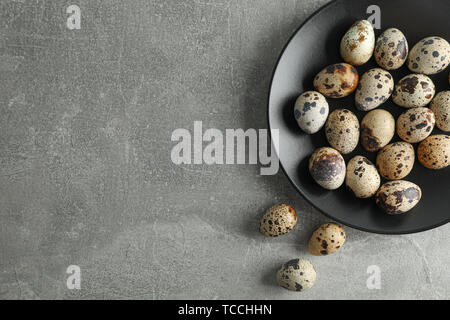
314	46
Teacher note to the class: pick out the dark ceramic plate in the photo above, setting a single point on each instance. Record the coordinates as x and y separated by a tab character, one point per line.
314	46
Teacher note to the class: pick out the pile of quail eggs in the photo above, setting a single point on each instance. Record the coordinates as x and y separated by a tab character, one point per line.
425	109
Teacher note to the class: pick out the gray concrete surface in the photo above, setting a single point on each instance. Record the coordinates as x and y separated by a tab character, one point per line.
86	178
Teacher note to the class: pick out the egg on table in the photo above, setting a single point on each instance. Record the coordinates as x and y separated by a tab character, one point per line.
429	56
391	49
337	80
362	177
397	197
415	124
278	220
326	239
342	130
358	43
434	152
297	275
327	167
377	129
414	90
396	160
441	108
311	111
374	89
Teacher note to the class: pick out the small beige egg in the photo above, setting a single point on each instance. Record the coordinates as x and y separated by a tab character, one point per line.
374	89
396	160
377	130
297	275
391	49
311	111
337	81
429	56
397	197
434	152
342	130
278	220
413	91
362	177
327	167
441	108
415	124
358	43
327	239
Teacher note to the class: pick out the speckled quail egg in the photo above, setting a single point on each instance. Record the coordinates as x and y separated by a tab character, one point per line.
337	81
278	220
414	90
396	160
362	177
327	167
441	108
377	130
391	49
415	124
374	89
297	275
434	152
358	43
429	56
342	130
311	111
327	239
397	197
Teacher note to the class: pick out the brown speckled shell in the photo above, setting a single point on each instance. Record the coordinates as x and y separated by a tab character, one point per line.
441	108
278	220
396	160
327	167
391	49
429	56
374	89
377	129
413	91
297	275
358	43
415	124
434	152
362	177
327	239
342	130
337	81
397	197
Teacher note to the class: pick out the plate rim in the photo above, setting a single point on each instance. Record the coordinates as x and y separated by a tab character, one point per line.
369	230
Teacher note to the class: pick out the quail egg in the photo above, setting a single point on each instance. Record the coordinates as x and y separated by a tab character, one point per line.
415	124
342	130
391	49
278	220
377	129
362	177
374	89
311	111
337	81
434	152
396	160
429	56
397	197
358	43
414	90
441	108
327	239
297	275
327	167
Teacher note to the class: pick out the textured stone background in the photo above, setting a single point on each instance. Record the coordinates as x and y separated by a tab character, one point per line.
86	178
